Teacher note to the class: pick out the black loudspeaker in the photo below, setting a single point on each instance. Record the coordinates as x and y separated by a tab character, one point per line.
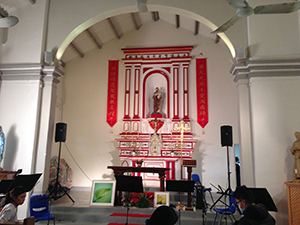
61	132
226	135
200	202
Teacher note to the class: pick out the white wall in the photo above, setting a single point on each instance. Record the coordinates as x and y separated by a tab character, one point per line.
275	119
18	104
25	39
91	140
273	35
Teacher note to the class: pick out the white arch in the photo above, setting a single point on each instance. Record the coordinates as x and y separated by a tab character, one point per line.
82	27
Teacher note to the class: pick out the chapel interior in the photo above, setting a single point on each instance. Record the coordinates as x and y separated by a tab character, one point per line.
151	82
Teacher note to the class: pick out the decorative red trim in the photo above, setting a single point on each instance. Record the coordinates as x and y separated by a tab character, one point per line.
112	92
158	49
168	90
185	92
146	69
167	69
156	61
127	93
137	74
168	166
173	171
176	92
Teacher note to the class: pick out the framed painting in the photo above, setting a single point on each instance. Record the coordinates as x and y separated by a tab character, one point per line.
161	198
103	193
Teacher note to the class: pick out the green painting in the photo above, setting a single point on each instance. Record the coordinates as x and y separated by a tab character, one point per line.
103	193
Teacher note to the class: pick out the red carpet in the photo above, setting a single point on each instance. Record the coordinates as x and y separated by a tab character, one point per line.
130	215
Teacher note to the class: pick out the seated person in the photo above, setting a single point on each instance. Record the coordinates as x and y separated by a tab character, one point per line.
254	214
163	215
13	199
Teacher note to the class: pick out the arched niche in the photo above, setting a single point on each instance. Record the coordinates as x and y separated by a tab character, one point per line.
153	79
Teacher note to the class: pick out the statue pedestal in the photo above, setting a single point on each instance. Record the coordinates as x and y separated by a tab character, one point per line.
157	115
293	192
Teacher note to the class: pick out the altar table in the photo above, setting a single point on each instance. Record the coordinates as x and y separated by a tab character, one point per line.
120	170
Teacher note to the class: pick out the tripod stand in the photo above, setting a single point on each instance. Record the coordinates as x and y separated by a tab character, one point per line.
57	186
228	191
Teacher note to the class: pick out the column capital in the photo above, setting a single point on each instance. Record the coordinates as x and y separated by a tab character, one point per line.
265	68
29	72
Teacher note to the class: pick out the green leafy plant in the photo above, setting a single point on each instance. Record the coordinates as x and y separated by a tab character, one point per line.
143	201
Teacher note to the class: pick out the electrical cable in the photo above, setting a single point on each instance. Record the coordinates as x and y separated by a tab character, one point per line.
77	163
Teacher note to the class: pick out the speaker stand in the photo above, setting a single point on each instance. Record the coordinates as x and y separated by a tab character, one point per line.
57	186
228	191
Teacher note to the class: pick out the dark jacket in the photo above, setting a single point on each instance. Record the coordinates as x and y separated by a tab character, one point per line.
163	215
256	215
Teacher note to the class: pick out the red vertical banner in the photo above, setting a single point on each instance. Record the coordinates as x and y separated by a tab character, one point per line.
112	92
202	99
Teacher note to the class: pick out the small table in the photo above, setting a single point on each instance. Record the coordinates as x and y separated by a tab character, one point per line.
189	164
120	170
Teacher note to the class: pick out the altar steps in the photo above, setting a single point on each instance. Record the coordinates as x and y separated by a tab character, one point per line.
102	215
81	213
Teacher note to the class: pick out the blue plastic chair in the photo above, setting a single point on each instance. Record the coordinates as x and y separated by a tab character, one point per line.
39	208
229	211
196	178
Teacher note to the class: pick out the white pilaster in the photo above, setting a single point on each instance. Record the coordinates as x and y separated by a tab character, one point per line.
27	102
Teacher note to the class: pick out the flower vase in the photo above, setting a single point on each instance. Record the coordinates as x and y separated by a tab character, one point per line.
139	165
172	154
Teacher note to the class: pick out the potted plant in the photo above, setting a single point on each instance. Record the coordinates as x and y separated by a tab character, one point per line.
143	201
172	152
127	199
139	162
134	152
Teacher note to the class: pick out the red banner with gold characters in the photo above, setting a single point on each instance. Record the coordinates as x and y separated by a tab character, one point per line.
202	104
112	92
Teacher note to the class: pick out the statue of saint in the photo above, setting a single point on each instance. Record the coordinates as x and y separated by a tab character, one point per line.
2	142
295	150
156	100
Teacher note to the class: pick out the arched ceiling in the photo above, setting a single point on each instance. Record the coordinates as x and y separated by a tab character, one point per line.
115	27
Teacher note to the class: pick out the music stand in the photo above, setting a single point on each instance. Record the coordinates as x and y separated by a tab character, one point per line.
262	196
27	181
129	184
180	186
4	185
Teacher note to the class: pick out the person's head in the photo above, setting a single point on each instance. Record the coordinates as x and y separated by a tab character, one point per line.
16	196
244	197
297	135
163	215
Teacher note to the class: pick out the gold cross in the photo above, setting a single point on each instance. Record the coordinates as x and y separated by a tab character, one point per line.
182	128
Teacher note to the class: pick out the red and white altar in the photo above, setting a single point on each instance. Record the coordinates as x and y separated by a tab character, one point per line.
164	138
